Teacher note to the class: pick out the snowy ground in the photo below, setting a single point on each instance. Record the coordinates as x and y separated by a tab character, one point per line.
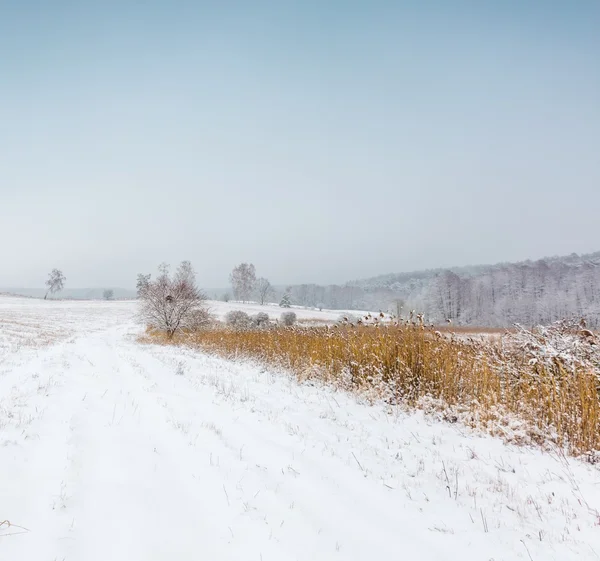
309	315
32	323
111	450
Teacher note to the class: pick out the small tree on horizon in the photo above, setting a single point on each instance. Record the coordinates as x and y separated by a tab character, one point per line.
243	279
108	294
142	282
286	301
55	283
264	289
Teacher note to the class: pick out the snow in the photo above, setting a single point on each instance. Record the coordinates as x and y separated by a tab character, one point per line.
111	449
309	315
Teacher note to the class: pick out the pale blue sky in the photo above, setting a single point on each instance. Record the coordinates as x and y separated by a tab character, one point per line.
323	141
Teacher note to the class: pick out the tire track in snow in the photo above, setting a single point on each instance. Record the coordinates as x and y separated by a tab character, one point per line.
34	476
138	491
314	506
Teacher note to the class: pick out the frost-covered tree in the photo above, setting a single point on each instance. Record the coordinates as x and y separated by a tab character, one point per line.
263	289
172	302
243	279
529	293
186	273
302	295
286	301
142	283
108	294
55	283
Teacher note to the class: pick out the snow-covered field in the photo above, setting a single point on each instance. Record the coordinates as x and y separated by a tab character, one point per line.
314	315
32	323
112	450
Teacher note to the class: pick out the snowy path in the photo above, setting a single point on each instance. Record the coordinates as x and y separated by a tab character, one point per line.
114	450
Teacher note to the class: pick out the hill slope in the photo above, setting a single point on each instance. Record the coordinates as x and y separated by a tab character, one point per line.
529	292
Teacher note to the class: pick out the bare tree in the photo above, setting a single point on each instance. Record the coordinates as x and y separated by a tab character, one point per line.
186	272
142	282
239	320
108	294
243	279
302	294
173	302
264	289
55	283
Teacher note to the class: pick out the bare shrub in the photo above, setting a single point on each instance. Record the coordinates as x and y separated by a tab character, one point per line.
288	318
201	318
238	319
171	303
261	319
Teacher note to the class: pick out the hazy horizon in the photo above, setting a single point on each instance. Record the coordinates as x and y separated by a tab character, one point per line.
323	143
227	285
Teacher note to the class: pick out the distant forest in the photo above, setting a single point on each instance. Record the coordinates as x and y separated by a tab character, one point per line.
529	293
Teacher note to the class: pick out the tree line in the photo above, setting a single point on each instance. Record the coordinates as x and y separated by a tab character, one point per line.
530	293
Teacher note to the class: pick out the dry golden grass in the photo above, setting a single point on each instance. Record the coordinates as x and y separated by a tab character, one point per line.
487	385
